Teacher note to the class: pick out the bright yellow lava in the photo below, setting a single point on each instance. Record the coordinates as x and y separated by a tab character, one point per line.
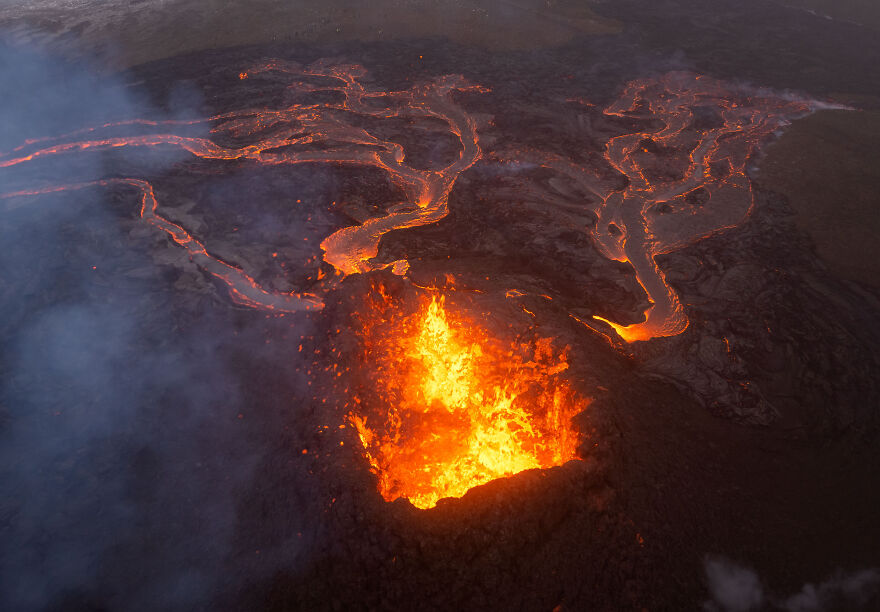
467	411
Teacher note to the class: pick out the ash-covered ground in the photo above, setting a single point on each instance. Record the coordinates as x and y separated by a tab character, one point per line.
152	428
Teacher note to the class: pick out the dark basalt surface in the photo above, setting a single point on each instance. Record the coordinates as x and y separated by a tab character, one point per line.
751	435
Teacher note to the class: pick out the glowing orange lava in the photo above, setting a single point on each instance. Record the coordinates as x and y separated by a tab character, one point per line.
685	179
685	171
284	137
448	406
460	409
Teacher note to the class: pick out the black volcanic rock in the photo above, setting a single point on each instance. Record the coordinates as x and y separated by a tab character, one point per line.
186	449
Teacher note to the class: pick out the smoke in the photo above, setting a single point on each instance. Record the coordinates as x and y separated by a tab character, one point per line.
85	466
127	412
855	591
45	95
735	588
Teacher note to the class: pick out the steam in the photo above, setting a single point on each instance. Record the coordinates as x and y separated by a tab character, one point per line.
858	589
46	96
126	439
735	588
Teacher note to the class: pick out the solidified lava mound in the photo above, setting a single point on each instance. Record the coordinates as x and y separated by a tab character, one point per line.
654	352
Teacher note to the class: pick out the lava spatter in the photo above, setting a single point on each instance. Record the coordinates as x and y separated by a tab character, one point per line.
448	407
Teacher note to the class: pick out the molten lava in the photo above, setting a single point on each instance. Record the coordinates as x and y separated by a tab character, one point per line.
685	170
285	137
458	408
685	179
448	407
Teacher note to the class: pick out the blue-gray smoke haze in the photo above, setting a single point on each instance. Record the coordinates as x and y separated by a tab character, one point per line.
123	447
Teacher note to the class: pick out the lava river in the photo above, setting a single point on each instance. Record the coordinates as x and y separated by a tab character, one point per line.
460	407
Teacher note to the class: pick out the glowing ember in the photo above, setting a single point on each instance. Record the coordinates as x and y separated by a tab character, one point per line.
459	408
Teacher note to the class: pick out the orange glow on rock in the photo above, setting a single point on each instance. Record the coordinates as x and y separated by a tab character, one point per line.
460	408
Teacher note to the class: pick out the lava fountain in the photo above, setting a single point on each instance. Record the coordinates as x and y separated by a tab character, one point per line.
451	407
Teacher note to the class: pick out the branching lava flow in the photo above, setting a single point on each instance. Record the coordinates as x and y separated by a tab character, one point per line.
458	407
